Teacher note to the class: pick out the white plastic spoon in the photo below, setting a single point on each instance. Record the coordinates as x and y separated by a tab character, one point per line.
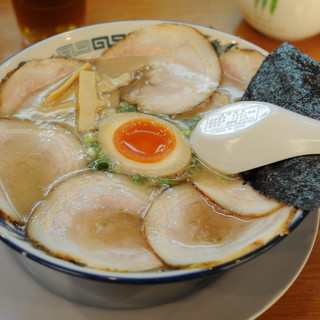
249	134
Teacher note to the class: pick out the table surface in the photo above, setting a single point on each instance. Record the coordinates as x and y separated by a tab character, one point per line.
302	300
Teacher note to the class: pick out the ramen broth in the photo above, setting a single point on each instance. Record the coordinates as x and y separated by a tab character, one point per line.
222	227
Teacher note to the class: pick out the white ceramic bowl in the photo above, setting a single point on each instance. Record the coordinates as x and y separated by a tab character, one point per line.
101	288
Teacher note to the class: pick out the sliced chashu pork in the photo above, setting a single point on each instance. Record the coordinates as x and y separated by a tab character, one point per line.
32	156
232	194
95	219
31	77
238	66
186	232
181	67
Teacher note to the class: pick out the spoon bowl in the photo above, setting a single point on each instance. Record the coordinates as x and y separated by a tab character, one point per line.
250	134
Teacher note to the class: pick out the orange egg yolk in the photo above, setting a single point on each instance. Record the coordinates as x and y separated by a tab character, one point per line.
144	140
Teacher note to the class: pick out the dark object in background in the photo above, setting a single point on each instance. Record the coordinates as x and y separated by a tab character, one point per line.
290	79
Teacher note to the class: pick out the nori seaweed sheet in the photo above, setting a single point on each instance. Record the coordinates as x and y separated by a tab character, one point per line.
290	79
294	181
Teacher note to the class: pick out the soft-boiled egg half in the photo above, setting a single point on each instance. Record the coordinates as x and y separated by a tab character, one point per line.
144	144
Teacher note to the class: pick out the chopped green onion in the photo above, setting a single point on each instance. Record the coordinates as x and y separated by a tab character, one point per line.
167	181
126	107
100	154
89	138
187	125
185	132
94	145
138	178
194	167
102	164
116	169
191	122
95	151
91	152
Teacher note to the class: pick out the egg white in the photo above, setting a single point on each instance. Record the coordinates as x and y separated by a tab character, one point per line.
174	163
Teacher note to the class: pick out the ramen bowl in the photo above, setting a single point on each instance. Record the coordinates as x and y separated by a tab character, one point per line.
78	282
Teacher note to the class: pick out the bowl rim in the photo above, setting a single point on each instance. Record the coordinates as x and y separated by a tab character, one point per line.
148	277
130	21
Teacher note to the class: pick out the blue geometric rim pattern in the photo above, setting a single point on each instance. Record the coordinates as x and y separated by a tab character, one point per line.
85	46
